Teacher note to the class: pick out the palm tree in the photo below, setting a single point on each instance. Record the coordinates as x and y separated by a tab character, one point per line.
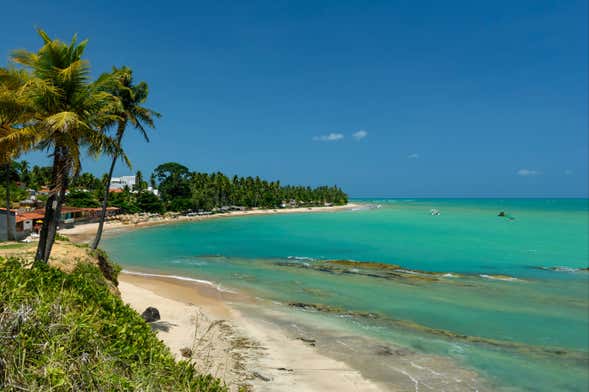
14	111
69	114
132	96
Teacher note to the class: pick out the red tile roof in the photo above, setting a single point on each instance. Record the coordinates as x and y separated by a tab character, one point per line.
28	216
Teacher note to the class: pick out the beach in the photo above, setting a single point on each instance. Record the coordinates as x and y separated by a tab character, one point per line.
86	232
230	345
225	342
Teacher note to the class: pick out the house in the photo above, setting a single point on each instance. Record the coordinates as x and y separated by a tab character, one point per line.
122	182
21	224
71	216
4	229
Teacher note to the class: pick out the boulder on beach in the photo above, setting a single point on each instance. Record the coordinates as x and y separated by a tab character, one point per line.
151	314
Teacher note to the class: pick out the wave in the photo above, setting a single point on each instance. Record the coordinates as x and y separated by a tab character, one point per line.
300	258
179	277
563	269
505	278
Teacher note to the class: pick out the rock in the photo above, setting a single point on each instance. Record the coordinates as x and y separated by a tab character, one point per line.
261	377
151	314
186	352
311	342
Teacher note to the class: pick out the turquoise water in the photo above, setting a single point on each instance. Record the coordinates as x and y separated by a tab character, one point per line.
489	307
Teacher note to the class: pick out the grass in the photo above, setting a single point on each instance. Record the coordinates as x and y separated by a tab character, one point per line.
64	332
13	245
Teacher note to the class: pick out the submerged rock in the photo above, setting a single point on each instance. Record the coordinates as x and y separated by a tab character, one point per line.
151	314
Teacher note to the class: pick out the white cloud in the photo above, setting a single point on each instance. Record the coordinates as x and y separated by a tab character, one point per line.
528	172
361	134
332	137
568	172
413	156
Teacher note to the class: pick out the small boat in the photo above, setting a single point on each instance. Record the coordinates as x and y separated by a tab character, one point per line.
434	212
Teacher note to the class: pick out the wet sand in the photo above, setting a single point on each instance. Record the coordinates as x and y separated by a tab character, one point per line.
229	344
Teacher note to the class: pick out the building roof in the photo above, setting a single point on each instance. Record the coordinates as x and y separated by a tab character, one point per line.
28	216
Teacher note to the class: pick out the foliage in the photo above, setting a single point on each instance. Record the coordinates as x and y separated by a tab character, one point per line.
87	181
148	202
125	200
68	332
174	185
182	190
16	194
82	199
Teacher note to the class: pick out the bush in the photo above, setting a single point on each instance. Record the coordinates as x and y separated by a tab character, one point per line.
68	332
148	202
82	199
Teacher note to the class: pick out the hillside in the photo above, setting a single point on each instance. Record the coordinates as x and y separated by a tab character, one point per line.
63	327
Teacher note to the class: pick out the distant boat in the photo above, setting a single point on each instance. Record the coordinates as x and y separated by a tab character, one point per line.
434	212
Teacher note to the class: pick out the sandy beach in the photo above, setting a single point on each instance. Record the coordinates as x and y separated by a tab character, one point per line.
228	344
86	232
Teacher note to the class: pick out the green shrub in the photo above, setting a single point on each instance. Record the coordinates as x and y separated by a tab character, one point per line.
67	332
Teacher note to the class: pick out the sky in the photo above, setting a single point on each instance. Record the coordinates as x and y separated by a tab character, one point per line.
383	98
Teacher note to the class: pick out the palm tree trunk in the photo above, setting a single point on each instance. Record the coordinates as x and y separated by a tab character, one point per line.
50	206
7	173
98	237
53	205
53	227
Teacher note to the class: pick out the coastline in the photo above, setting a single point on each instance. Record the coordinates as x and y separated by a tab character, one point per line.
84	233
232	345
225	342
231	335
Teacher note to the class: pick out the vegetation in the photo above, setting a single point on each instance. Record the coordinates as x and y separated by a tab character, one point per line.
131	97
68	332
66	112
183	190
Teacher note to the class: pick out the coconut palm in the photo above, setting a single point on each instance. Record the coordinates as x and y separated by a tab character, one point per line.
69	114
132	96
14	112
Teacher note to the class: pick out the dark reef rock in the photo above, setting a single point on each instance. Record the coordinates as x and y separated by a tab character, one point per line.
151	314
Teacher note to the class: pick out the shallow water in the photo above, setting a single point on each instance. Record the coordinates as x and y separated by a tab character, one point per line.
489	307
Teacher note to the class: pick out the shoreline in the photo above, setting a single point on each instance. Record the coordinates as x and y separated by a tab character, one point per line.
85	232
227	343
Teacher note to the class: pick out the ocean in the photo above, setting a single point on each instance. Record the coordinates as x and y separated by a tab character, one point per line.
463	300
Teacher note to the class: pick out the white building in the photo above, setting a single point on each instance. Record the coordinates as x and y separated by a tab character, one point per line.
122	182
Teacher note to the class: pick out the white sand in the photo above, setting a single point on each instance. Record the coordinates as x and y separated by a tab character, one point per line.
86	232
230	345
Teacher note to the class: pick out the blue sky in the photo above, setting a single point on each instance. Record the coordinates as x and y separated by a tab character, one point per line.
456	98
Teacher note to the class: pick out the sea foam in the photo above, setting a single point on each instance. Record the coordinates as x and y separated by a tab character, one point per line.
178	277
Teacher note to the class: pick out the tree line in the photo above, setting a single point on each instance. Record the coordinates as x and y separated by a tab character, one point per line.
181	190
